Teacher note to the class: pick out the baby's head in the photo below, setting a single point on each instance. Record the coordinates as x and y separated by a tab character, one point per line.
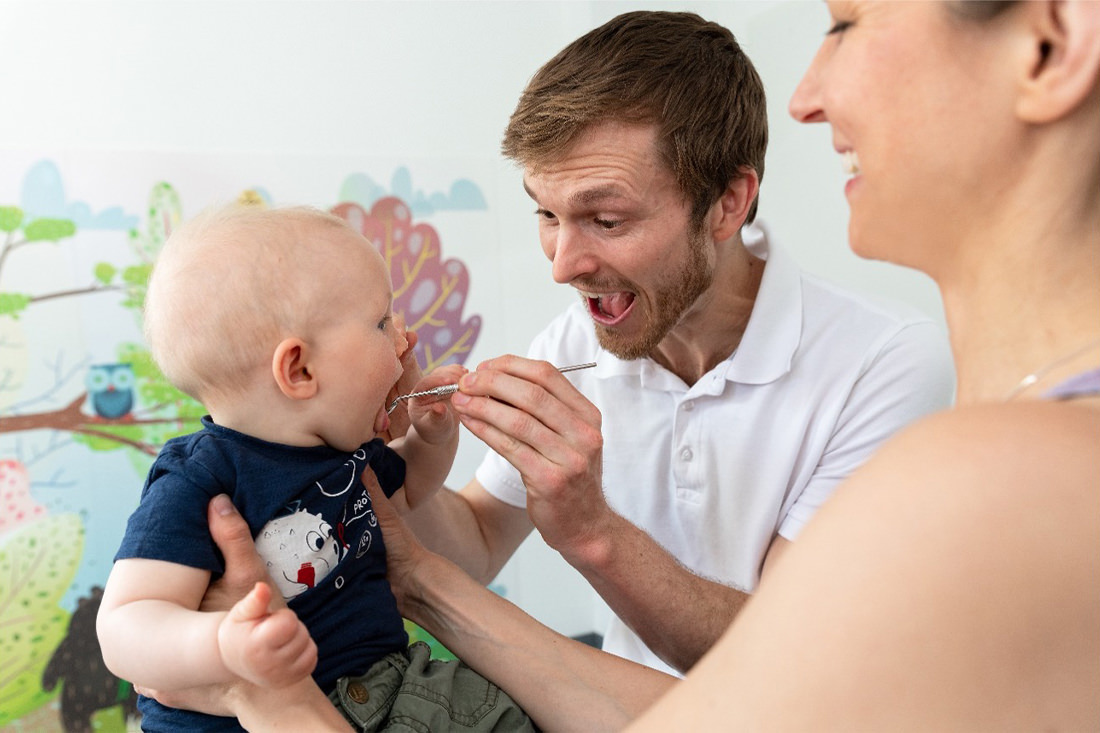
246	303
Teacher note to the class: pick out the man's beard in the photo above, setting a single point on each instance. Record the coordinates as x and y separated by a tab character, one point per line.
672	298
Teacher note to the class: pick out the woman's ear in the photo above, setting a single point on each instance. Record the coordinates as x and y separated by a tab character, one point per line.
1062	62
729	213
290	367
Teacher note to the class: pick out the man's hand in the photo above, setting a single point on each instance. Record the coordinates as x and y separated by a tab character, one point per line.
269	647
531	414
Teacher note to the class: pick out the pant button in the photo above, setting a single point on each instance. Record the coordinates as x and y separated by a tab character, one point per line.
358	692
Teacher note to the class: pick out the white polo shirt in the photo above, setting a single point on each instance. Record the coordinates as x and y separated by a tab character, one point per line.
713	471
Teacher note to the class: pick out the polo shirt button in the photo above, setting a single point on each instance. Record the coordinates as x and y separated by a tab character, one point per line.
689	406
686	454
358	692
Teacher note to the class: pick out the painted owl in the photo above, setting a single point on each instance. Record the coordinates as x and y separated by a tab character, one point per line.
111	389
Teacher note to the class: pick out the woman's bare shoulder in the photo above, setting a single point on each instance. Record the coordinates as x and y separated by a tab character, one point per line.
949	583
979	474
1030	447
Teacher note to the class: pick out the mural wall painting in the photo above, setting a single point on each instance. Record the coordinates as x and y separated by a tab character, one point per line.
80	419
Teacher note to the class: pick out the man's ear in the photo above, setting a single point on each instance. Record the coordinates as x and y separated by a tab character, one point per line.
729	212
1061	61
290	367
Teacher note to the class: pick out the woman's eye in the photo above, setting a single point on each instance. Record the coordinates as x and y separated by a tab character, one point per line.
839	27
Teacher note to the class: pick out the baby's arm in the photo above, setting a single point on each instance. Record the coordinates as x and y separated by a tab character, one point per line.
150	632
430	445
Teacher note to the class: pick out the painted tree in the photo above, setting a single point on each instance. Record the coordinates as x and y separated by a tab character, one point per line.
428	291
36	569
161	411
41	552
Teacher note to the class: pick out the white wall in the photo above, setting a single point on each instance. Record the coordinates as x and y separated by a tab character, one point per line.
411	80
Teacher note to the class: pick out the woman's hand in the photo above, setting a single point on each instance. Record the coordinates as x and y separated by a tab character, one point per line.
301	706
243	570
243	565
405	556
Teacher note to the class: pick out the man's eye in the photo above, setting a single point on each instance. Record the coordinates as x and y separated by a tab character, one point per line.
544	214
608	223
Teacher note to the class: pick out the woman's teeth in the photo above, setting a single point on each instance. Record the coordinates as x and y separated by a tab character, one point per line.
850	161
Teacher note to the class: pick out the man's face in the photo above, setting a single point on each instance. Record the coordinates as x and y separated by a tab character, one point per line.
616	227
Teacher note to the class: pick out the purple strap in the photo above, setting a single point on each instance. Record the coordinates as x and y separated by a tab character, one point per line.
1086	383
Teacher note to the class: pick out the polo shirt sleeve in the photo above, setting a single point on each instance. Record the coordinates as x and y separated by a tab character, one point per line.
907	375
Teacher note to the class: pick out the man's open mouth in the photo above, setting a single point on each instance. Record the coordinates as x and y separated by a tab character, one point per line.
609	309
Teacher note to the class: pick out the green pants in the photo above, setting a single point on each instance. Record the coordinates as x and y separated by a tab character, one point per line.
409	691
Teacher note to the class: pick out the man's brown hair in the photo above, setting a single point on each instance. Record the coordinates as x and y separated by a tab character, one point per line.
678	71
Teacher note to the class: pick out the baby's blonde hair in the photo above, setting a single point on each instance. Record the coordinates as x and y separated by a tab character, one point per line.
231	283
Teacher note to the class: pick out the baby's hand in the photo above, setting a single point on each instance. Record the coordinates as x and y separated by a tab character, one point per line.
265	648
410	376
434	418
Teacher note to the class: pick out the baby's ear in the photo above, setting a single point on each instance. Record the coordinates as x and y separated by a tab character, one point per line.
290	367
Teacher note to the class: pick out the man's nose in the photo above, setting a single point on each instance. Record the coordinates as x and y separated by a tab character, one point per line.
571	255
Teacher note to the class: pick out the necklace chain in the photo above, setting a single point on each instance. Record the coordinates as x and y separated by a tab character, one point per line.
1042	371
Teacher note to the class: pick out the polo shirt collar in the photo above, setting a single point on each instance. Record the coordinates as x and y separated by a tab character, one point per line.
774	330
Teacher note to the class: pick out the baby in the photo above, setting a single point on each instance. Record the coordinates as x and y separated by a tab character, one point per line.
280	323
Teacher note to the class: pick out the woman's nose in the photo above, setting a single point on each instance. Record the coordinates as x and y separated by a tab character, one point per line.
805	105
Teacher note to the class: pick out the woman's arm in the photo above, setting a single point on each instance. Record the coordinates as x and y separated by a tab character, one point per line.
561	683
300	706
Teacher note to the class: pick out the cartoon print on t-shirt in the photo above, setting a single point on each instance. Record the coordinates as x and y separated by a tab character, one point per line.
300	549
356	506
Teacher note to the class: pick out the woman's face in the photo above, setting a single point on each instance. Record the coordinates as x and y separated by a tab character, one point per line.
908	92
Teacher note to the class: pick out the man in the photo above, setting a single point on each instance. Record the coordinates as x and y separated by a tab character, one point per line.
731	392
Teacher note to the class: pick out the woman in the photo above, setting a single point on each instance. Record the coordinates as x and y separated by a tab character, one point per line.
951	583
964	558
